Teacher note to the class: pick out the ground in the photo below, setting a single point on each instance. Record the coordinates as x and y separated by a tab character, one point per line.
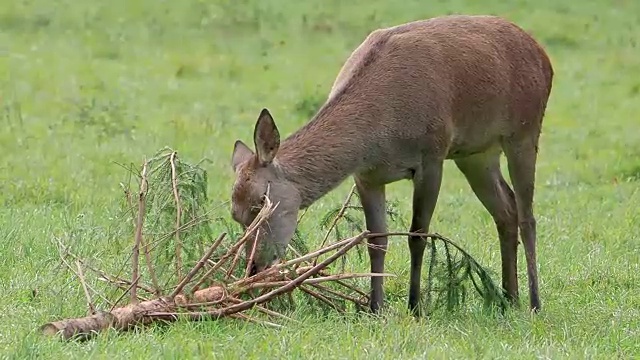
86	85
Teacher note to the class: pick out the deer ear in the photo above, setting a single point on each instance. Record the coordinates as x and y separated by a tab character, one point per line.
266	138
241	152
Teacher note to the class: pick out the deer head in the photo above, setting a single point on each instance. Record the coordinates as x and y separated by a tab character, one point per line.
258	175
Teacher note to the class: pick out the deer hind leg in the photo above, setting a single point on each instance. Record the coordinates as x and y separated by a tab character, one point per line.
373	203
426	183
482	172
521	157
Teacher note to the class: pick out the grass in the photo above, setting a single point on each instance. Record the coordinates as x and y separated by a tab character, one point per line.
84	85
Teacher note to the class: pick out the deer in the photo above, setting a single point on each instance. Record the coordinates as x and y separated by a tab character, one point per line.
466	88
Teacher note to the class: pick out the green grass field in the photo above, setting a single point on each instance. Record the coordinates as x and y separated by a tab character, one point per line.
85	84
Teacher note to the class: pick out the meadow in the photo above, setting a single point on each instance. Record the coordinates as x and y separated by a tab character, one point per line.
85	85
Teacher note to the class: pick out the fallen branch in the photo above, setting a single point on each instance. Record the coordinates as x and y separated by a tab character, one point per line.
215	301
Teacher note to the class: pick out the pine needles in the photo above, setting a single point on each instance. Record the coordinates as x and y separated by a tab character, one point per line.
171	211
451	271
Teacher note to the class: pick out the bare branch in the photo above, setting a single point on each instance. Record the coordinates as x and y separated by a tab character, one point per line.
339	215
176	195
152	272
253	253
92	308
198	266
129	289
138	236
262	216
64	261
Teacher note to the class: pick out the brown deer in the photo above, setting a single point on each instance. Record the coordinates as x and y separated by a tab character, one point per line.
466	88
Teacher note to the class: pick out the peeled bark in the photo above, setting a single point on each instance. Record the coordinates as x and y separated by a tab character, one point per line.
126	317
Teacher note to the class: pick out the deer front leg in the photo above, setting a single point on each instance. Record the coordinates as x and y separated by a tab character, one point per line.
426	183
373	203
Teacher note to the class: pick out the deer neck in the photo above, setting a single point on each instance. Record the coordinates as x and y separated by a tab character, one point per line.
323	153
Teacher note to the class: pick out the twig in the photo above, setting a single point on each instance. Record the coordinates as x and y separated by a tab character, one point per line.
138	238
133	283
316	280
256	239
264	213
338	216
253	253
174	182
281	290
352	288
110	278
92	308
218	264
338	294
304	212
116	280
222	269
234	262
123	285
315	254
309	256
64	261
198	266
152	271
266	311
422	235
293	250
186	226
322	298
127	195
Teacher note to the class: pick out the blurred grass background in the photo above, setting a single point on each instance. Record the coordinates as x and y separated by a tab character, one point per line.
84	85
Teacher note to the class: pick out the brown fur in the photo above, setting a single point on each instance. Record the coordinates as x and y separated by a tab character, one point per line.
466	88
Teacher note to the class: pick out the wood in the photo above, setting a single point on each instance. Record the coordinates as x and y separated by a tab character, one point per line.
209	303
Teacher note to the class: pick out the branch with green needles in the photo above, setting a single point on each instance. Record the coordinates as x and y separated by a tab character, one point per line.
451	269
